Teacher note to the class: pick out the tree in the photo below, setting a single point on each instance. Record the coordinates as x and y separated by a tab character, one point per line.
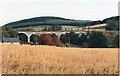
5	34
85	45
73	37
56	40
64	38
59	28
115	42
45	29
9	32
82	39
46	39
55	28
70	38
112	25
97	40
13	33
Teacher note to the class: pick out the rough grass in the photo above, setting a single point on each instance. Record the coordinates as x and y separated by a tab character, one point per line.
26	59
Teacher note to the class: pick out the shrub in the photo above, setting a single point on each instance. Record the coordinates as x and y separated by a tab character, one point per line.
97	40
115	42
46	39
56	40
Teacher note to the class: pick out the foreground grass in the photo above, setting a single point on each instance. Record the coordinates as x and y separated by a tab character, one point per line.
26	59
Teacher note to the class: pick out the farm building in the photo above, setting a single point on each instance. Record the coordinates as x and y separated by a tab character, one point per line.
10	40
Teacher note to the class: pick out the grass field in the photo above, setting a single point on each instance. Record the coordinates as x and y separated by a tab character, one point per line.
97	26
40	28
40	59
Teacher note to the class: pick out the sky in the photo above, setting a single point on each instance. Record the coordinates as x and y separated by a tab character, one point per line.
14	10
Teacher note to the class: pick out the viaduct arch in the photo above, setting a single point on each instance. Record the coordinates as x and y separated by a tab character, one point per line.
58	33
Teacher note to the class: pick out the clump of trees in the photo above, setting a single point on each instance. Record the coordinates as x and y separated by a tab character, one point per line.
115	42
52	28
70	38
9	32
46	39
74	39
92	40
97	40
83	40
56	41
112	25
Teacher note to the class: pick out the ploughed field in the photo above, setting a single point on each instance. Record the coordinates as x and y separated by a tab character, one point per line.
40	59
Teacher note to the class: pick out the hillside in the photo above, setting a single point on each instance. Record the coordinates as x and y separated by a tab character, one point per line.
26	59
57	21
114	18
47	20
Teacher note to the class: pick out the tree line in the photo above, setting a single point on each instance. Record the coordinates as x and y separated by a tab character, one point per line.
89	40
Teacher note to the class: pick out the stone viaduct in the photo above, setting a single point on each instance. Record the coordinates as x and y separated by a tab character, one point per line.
58	33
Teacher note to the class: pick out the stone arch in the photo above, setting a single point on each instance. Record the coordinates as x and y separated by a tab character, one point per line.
84	33
28	34
53	33
61	34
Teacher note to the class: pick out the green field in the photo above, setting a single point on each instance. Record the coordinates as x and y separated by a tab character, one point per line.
40	28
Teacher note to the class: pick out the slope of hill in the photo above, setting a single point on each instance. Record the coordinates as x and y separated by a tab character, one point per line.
47	20
114	18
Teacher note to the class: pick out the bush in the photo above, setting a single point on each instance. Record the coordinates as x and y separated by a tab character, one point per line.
9	32
112	25
47	39
82	39
116	42
56	40
97	40
71	38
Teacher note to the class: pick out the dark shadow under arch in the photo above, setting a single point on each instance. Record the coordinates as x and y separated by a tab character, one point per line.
23	37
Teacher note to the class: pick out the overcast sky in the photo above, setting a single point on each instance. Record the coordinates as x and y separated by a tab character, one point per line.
13	10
